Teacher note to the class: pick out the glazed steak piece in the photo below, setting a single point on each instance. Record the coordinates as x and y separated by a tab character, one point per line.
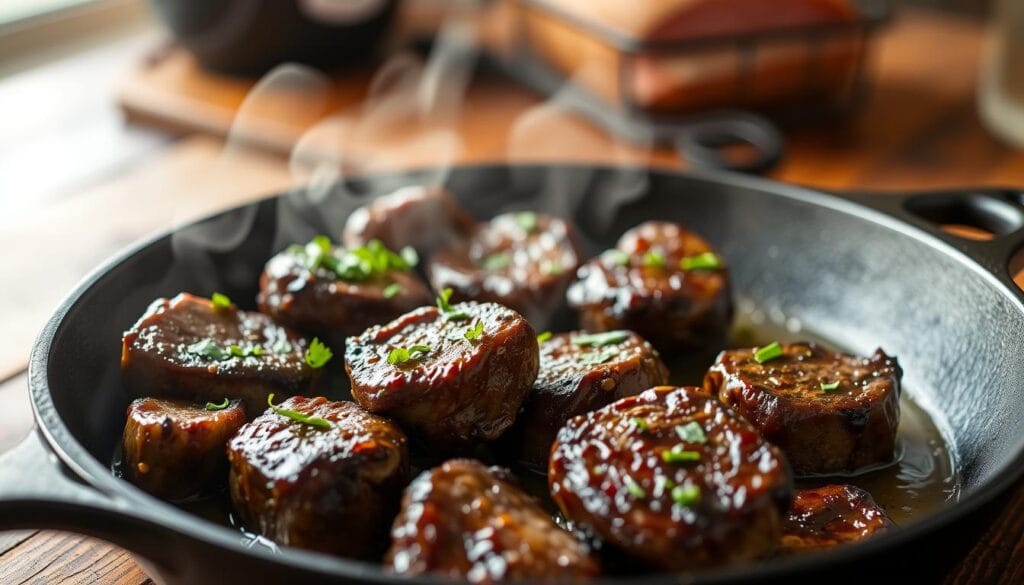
332	292
673	479
333	490
452	376
175	449
830	412
579	373
464	521
831	515
522	260
182	348
419	216
663	282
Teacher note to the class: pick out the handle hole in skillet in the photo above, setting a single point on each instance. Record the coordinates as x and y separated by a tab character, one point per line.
1016	268
973	217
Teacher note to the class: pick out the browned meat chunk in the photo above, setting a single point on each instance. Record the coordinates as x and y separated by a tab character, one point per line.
175	449
579	373
831	515
673	479
329	486
830	412
521	260
663	282
453	374
422	217
187	348
463	521
334	293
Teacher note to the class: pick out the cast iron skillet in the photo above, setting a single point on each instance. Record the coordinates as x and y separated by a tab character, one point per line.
860	270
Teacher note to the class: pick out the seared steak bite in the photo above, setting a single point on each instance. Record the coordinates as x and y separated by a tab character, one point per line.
831	515
329	486
830	412
579	373
452	374
522	260
188	348
464	521
334	292
174	449
671	478
664	283
419	216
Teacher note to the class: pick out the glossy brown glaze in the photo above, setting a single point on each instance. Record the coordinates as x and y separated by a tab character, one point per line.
322	304
676	310
608	475
522	260
575	379
831	515
464	521
841	430
156	359
174	449
460	390
332	490
418	216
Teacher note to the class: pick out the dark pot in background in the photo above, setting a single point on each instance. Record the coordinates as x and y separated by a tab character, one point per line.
249	37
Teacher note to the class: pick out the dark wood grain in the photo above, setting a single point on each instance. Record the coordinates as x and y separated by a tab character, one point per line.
55	557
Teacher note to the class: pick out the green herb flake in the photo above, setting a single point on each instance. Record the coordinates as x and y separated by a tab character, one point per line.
313	421
391	291
244	352
686	495
444	305
318	354
401	355
600	339
409	255
768	353
679	455
527	221
654	259
705	261
354	264
220	301
473	333
551	268
640	424
596	358
830	386
617	257
497	261
217	406
634	488
691	432
207	348
546	336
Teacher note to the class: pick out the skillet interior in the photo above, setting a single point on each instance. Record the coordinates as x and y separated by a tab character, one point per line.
852	275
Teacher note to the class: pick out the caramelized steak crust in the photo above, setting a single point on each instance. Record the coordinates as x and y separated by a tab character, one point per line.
577	376
643	286
319	302
163	354
332	490
672	478
174	449
521	260
457	390
790	399
464	521
831	515
418	216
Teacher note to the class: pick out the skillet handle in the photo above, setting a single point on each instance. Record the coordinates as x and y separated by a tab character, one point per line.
38	491
703	141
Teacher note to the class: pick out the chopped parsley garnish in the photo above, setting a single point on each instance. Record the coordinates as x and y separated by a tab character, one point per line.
678	455
354	264
220	301
401	355
547	335
313	421
392	290
318	354
691	432
218	406
318	249
705	261
634	488
444	305
243	352
527	220
600	339
617	257
597	357
551	268
830	386
654	259
640	424
207	348
686	495
497	261
767	353
473	333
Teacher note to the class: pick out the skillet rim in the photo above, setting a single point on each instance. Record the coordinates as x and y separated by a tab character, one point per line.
73	454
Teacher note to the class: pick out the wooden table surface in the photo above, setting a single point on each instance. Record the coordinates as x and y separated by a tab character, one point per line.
919	130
